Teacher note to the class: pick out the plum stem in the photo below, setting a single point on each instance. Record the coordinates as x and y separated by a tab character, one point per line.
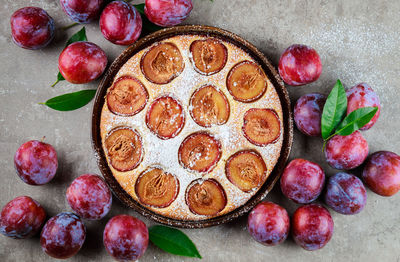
43	138
326	141
69	26
55	83
323	146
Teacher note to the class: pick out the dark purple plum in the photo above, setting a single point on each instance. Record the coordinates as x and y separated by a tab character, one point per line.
63	235
82	62
362	95
312	227
22	217
382	173
167	13
308	112
346	152
299	65
302	181
121	23
32	28
89	197
36	162
82	11
125	238
268	223
346	194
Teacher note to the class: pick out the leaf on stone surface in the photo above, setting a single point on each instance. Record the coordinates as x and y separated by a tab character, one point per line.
173	241
71	101
334	110
78	36
356	120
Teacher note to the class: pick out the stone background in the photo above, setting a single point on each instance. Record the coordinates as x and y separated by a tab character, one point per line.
357	40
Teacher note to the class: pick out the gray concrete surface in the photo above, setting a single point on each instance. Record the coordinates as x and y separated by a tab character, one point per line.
357	40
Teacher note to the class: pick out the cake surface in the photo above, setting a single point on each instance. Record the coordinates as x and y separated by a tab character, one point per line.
241	151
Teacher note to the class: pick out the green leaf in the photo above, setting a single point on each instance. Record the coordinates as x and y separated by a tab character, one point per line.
356	120
78	36
140	8
148	26
59	78
173	241
334	110
71	101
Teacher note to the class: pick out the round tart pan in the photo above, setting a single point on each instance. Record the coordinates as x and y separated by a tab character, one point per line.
196	30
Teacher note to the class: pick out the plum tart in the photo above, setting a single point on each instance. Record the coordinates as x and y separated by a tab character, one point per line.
192	127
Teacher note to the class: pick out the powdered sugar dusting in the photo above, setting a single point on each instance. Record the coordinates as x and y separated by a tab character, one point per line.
164	153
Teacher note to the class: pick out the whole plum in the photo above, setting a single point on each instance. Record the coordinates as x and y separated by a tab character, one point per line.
382	173
346	194
312	227
125	238
308	112
22	217
346	152
89	197
299	65
362	95
36	162
120	23
167	12
302	181
63	235
268	223
82	11
32	28
82	62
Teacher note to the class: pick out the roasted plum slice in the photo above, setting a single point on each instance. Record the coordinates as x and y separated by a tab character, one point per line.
156	188
261	126
165	117
209	106
199	152
205	197
246	82
124	148
127	96
246	169
208	56
162	63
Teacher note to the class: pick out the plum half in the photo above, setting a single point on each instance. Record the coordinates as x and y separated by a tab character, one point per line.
154	187
165	117
127	96
209	106
199	152
246	169
208	56
162	63
124	148
205	197
261	126
246	82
